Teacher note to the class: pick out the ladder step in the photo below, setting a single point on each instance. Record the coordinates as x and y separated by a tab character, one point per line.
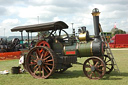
115	64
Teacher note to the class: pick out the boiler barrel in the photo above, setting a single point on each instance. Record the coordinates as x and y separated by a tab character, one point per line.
91	48
85	49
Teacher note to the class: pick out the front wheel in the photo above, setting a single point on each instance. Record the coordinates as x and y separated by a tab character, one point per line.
94	68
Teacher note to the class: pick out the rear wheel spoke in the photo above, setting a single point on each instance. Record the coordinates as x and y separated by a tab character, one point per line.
48	64
49	60
40	70
36	70
46	53
35	67
33	56
45	69
48	68
32	64
42	55
46	58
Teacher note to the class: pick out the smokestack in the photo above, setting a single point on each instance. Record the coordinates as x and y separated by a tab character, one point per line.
95	14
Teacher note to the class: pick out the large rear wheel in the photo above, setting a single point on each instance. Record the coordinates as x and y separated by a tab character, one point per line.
41	62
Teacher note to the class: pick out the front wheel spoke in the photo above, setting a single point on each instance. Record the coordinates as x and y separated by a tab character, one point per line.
94	74
96	64
98	73
91	75
100	70
90	64
87	66
89	70
100	66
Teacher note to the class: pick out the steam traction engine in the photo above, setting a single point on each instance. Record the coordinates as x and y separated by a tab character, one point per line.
58	51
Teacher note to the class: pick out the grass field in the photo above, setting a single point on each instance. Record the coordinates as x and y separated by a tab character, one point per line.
73	76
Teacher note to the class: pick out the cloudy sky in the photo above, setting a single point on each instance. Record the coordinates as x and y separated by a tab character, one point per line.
25	12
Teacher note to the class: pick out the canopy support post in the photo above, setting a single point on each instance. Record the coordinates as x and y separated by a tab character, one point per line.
28	40
22	38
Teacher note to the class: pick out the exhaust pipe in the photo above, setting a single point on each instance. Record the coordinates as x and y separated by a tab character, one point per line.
95	14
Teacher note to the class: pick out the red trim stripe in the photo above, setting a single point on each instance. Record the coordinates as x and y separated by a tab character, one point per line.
70	52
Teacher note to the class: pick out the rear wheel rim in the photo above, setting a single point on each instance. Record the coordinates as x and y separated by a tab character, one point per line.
40	62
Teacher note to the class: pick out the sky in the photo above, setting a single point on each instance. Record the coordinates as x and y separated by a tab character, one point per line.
26	12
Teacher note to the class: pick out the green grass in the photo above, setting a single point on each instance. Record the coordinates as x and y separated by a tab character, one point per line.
73	76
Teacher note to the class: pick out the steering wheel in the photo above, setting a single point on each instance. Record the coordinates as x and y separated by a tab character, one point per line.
62	34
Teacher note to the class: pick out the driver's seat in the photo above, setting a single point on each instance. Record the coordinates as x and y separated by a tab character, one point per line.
60	39
68	42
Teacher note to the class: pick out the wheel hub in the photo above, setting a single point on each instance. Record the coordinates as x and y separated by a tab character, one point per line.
93	68
39	62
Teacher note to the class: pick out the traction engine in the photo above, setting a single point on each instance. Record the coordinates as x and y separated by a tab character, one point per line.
58	51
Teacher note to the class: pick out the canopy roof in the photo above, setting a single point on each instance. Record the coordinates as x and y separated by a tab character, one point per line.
41	27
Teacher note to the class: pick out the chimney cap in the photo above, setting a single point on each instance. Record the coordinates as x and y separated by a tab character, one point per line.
95	10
